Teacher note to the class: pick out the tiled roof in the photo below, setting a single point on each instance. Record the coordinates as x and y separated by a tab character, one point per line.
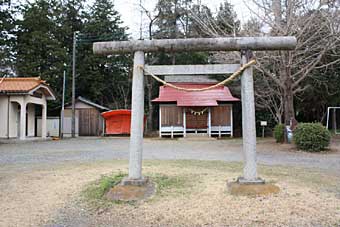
201	98
26	86
20	84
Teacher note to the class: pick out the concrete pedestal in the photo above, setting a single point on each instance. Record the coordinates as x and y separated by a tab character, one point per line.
132	190
257	187
136	182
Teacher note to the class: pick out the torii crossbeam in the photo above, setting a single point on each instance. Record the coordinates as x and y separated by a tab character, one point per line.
243	44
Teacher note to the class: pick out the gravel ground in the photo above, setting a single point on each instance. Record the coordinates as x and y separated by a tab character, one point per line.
97	149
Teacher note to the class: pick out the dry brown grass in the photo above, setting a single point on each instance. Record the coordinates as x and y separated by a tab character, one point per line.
307	198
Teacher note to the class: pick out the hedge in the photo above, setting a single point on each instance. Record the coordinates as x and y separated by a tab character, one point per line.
312	137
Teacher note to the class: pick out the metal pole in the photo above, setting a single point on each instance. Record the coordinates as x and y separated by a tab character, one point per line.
248	121
262	131
334	120
327	117
137	118
73	127
62	105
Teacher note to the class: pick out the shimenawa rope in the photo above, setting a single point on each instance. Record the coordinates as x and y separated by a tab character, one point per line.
229	79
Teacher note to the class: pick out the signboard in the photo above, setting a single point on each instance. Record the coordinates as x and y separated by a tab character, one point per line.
263	123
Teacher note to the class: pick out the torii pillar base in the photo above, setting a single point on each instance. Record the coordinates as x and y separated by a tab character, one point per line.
257	187
136	182
132	190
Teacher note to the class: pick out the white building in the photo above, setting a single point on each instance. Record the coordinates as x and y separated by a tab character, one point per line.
18	99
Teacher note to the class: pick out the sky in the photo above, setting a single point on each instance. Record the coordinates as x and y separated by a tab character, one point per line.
130	11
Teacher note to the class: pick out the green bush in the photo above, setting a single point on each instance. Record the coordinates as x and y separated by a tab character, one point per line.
313	137
279	133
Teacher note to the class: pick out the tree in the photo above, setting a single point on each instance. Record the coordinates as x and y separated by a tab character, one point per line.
7	38
171	19
316	27
39	52
223	23
105	80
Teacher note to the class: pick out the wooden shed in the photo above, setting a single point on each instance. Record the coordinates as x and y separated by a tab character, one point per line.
182	112
89	121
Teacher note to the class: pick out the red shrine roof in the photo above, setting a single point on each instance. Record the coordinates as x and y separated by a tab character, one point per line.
197	98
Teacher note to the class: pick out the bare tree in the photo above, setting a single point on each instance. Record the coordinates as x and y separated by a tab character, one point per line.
317	28
149	81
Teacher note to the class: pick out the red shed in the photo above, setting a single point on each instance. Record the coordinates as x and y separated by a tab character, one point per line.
117	122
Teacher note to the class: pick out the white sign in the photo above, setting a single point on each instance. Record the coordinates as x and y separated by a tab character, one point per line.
263	123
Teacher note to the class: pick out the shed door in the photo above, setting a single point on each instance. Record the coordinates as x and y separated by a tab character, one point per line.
89	122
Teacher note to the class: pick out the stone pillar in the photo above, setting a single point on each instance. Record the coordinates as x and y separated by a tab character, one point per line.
248	121
23	120
137	118
43	121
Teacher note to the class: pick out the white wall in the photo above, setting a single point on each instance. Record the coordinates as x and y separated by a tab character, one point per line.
3	116
30	120
68	122
52	126
14	119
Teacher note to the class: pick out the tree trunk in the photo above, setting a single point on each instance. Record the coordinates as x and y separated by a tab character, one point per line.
277	10
288	105
149	124
288	92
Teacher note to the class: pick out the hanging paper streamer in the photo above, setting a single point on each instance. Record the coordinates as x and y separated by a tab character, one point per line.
199	113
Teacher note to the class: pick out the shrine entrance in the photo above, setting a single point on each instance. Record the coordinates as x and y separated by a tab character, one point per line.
245	45
197	119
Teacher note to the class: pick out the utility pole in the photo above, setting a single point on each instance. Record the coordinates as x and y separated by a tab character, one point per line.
62	105
73	128
141	21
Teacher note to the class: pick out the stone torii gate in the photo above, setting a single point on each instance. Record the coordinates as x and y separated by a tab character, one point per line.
243	44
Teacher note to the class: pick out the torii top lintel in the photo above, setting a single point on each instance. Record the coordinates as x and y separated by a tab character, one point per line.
197	44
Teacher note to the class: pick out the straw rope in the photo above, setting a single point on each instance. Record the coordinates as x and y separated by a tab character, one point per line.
229	79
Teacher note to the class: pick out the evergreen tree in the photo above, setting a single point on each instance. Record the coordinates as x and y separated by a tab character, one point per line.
226	20
39	52
7	38
103	79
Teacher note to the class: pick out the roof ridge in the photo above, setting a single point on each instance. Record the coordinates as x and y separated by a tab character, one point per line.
24	78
